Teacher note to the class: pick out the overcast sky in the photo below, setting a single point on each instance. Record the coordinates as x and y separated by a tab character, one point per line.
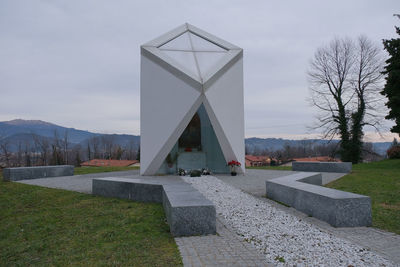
77	63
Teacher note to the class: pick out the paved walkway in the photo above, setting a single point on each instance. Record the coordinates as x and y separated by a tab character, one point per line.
78	183
223	249
226	249
253	182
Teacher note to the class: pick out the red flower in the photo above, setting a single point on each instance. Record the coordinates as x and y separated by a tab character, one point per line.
234	163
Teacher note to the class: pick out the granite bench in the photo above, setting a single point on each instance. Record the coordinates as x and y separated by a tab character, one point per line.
23	173
303	192
188	212
303	166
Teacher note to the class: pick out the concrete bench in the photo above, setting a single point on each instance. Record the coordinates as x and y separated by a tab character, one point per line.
303	192
23	173
302	166
133	189
188	212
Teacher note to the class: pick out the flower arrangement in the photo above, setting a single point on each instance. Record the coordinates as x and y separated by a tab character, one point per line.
233	164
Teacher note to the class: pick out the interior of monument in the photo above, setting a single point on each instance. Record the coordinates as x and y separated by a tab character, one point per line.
196	148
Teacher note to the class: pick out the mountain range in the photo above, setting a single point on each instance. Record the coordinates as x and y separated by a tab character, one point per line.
24	131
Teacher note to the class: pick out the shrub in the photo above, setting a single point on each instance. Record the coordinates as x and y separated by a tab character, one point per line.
195	173
394	152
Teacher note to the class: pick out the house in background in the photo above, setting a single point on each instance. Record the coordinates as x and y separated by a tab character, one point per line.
110	163
255	161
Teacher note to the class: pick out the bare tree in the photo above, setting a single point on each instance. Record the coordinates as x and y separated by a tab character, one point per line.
76	153
27	154
56	146
108	144
5	149
94	141
65	146
345	78
42	145
19	154
88	151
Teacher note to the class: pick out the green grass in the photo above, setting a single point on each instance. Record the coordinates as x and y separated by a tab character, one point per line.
50	227
381	181
277	168
87	170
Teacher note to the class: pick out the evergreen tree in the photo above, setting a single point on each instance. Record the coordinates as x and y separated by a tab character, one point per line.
77	159
394	143
138	154
392	86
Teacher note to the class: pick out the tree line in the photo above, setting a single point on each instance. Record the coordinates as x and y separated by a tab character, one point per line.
307	149
57	150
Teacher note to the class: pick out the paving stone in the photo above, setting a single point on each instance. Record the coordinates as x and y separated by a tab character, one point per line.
224	249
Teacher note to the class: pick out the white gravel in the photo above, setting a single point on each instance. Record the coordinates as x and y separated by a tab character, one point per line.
278	234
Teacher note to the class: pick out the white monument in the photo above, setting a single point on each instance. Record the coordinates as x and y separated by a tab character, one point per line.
191	95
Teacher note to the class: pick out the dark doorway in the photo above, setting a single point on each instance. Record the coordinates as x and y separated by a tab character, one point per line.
191	137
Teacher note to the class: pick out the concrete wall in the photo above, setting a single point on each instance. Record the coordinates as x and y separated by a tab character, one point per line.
188	212
343	167
302	192
23	173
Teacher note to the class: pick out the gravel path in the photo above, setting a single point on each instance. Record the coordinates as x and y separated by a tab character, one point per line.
283	238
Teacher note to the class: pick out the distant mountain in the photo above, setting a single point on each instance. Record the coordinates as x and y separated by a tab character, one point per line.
42	128
23	132
381	147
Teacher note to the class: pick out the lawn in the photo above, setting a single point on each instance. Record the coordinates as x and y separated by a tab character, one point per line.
50	227
277	168
87	170
381	181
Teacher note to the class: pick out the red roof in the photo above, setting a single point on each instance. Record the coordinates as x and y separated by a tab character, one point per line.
317	159
257	158
109	162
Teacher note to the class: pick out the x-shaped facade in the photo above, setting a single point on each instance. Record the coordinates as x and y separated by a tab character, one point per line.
180	71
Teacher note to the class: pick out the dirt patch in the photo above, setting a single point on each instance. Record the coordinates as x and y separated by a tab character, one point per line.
390	207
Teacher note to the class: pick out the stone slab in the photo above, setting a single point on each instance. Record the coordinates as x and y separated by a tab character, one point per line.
24	173
188	212
338	208
341	167
133	189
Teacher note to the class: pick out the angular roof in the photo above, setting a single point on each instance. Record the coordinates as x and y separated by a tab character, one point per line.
194	52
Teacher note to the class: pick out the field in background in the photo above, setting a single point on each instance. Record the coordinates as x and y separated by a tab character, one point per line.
381	181
87	170
277	168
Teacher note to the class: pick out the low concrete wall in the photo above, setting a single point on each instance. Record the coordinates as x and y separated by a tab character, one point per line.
342	167
188	212
132	189
338	208
24	173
